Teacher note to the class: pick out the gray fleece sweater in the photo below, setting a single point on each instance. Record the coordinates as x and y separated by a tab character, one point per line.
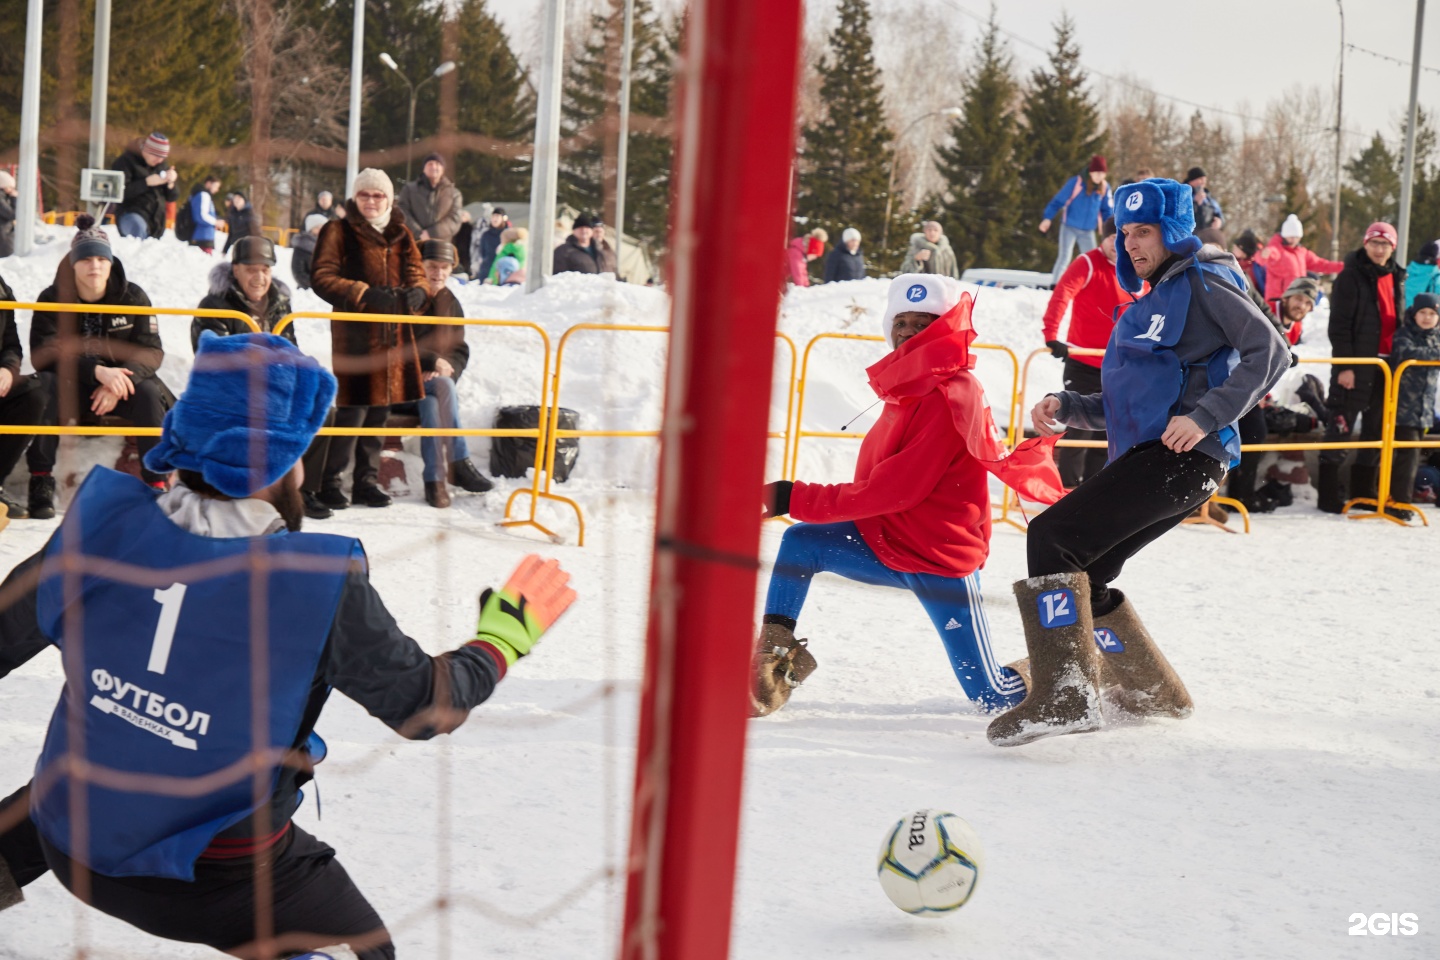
1220	315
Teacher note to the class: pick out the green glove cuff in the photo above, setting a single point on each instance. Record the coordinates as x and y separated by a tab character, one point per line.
505	622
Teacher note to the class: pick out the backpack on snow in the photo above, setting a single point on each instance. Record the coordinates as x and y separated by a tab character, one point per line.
185	220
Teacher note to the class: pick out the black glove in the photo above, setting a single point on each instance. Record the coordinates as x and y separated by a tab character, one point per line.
378	300
775	499
1059	349
413	298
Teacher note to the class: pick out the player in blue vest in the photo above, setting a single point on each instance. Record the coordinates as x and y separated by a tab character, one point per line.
1184	363
161	693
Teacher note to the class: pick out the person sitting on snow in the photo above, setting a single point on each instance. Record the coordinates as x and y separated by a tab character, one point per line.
917	515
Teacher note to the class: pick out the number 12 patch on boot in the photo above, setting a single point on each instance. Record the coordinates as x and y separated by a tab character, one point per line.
1057	608
1106	640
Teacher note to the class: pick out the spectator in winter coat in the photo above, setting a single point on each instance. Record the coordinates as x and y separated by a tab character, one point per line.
1422	276
917	516
576	254
485	242
325	206
1417	339
1086	202
1285	260
846	262
1244	249
183	866
463	241
1365	309
149	188
8	193
243	220
22	402
245	284
443	358
203	215
606	260
1207	208
1186	361
431	203
512	248
303	245
1091	292
930	252
368	262
797	256
116	357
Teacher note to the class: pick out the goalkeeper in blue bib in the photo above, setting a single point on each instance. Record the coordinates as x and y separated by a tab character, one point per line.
162	605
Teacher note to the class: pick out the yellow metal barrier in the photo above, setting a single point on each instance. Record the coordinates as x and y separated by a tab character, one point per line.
554	434
799	433
538	432
1387	458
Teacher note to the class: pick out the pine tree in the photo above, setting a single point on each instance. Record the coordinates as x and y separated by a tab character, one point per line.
981	210
847	152
647	195
1313	219
1373	193
495	101
1062	122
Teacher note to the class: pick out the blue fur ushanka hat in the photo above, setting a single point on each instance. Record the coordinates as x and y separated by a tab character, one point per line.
253	404
1167	203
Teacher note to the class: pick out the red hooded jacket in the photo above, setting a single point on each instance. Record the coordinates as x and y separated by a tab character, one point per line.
921	495
1284	265
1091	290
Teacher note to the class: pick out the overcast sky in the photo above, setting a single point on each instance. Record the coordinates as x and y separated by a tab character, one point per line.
1221	53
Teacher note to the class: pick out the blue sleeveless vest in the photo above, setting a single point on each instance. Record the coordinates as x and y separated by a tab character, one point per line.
160	674
1144	381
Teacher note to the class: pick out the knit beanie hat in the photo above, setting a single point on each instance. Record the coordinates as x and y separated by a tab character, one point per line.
89	240
1292	228
1303	287
158	144
1248	243
850	234
315	220
1166	203
1097	165
7	182
372	179
919	292
1429	253
1382	230
249	394
434	156
1426	301
1193	174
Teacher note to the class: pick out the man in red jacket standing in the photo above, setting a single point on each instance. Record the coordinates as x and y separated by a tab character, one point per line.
1088	288
917	515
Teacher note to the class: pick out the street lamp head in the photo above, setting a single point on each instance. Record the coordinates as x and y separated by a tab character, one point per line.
444	68
389	61
953	112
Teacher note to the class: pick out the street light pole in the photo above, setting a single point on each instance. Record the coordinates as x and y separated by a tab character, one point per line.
414	88
1407	177
1339	107
895	159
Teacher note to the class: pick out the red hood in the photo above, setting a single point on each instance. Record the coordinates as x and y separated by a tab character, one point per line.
928	359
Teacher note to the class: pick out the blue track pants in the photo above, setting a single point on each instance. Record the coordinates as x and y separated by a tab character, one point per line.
953	603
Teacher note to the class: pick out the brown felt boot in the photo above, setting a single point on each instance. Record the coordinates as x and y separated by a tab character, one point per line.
1062	694
10	893
781	664
1135	675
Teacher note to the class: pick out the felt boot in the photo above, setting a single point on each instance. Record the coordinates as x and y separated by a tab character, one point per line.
781	664
1062	694
1134	674
1331	497
10	893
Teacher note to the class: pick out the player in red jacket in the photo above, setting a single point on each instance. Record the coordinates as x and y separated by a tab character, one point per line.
917	515
1088	288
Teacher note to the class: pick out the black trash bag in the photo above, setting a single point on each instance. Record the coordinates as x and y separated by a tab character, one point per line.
512	456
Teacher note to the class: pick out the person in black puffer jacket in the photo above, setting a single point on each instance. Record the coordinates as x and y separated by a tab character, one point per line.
1365	306
1417	339
846	262
149	188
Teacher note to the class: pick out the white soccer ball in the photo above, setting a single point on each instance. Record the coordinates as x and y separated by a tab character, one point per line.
930	863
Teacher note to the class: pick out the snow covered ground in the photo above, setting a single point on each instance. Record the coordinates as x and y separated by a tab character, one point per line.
1302	791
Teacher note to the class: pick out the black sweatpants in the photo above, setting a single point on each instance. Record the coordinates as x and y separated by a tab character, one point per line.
1080	463
23	406
144	408
1107	520
364	450
312	895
